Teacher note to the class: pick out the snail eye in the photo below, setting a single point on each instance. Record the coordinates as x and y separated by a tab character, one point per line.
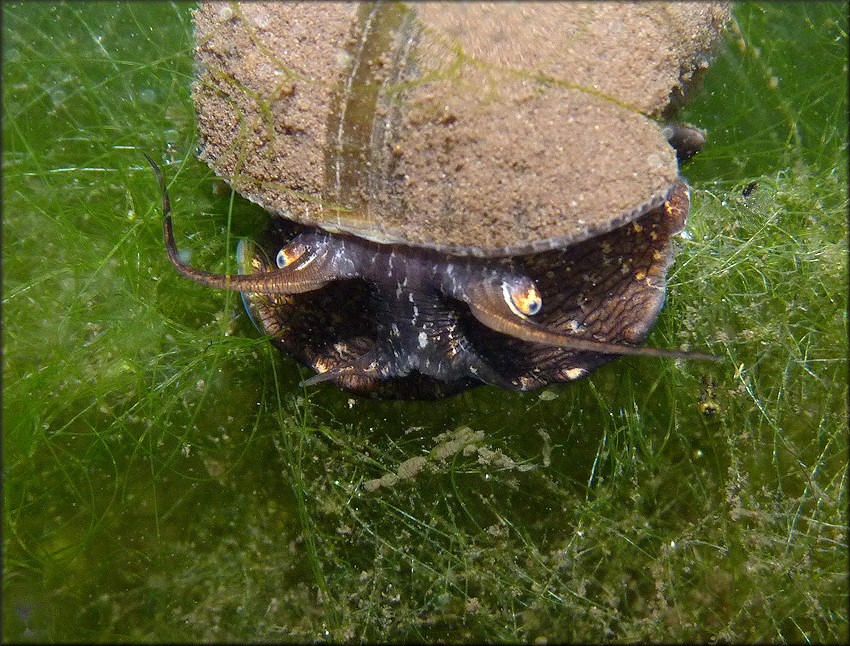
282	259
532	303
522	296
289	254
300	251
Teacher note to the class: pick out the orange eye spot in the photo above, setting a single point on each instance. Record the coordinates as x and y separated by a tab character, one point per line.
289	255
526	298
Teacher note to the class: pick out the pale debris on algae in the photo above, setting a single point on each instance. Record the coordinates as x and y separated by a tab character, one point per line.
462	440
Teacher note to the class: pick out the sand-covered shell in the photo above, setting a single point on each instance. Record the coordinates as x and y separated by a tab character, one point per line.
487	130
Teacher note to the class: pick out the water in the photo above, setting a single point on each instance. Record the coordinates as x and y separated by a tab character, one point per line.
166	479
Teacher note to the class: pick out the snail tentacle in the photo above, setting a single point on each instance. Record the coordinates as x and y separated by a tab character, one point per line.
489	303
305	264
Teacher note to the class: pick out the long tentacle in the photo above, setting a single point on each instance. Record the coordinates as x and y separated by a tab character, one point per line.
308	268
487	303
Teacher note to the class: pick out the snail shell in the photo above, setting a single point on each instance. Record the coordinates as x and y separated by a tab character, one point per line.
488	130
